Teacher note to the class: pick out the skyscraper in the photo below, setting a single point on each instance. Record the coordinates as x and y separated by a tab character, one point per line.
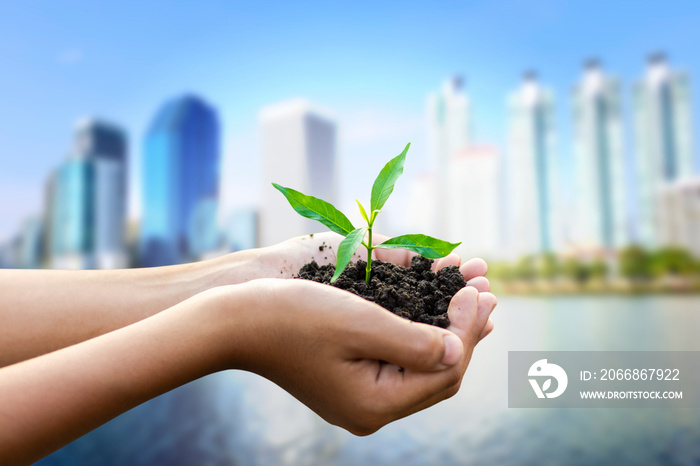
299	151
600	216
449	120
86	200
105	146
73	216
449	116
474	208
532	168
663	136
180	183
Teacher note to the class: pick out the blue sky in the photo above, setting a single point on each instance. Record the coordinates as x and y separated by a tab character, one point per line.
371	63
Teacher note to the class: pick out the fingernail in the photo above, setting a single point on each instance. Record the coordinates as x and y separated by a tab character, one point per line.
453	349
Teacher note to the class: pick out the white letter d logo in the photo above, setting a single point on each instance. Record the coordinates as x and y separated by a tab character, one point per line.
542	369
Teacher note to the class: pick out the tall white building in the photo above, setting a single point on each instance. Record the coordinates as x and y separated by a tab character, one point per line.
449	117
299	152
449	122
460	198
421	212
663	136
533	224
599	219
474	210
678	222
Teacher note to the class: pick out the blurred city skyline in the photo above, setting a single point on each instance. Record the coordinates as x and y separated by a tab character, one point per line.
373	70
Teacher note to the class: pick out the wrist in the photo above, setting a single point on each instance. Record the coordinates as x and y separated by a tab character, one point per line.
240	321
239	267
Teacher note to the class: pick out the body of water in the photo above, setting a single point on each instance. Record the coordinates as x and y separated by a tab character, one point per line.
239	418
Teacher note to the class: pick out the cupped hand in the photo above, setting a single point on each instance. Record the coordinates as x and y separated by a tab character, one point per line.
352	362
284	260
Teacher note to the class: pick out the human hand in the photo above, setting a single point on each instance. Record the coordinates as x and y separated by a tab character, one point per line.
341	355
284	260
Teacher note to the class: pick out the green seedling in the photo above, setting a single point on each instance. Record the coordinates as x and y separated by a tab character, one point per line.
324	212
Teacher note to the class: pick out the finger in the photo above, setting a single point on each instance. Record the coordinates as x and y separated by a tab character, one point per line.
411	390
450	259
463	314
406	392
487	329
474	268
434	399
480	283
487	303
469	311
381	335
403	393
400	257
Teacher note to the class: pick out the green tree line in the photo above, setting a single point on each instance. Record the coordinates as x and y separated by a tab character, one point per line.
633	263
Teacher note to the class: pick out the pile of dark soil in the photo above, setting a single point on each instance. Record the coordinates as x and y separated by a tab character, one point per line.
416	293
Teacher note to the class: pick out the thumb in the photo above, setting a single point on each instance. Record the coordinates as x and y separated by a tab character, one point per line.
469	312
415	346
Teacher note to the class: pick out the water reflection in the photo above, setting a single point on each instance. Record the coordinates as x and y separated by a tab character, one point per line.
239	418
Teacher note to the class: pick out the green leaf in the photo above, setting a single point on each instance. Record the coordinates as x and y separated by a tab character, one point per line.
346	249
362	211
317	209
426	246
384	184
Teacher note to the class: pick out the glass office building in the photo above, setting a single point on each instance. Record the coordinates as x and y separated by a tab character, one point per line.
73	215
105	146
180	183
86	200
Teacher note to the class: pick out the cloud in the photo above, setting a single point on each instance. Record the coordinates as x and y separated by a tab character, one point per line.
70	56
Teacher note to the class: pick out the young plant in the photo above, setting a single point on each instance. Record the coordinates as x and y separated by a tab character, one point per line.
317	209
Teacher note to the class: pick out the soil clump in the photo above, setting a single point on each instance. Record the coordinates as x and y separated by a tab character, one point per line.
415	293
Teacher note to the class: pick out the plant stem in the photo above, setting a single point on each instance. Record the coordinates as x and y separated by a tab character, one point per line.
369	254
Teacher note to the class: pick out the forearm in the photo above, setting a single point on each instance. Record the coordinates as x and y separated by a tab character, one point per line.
49	401
323	345
45	310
